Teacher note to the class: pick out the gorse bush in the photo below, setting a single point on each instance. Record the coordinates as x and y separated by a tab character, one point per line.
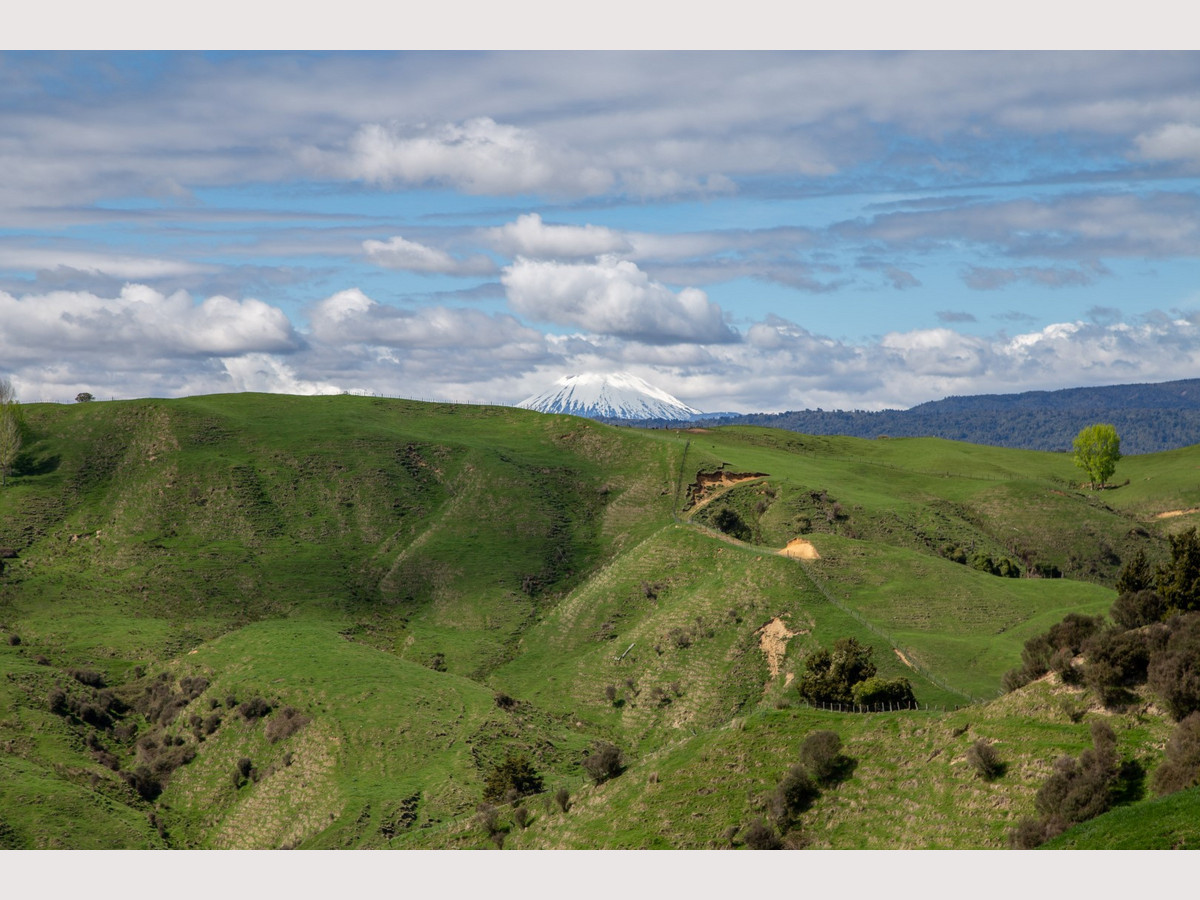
758	835
1174	671
821	754
285	724
795	793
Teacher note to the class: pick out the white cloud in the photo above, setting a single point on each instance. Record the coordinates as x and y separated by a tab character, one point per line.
480	156
140	322
399	253
1173	141
351	317
614	297
529	236
121	266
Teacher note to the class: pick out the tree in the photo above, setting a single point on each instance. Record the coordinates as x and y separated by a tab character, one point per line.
1097	449
10	429
83	397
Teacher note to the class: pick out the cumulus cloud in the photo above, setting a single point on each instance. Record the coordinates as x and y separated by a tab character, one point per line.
143	322
614	297
529	236
399	253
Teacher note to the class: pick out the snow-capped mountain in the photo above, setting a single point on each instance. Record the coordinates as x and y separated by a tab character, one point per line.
617	396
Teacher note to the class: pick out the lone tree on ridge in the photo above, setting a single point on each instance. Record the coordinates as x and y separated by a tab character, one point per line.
1097	449
10	428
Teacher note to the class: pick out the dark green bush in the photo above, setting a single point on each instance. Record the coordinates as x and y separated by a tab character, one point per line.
563	798
876	692
1115	661
513	778
830	675
255	708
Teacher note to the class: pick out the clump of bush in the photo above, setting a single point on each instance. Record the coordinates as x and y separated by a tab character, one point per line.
794	794
821	754
604	762
758	835
1053	651
563	798
512	779
1174	671
1077	790
983	757
254	708
1181	768
288	722
846	675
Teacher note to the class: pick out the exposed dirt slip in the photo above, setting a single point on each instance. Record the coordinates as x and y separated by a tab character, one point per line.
772	640
709	484
1172	513
799	548
903	658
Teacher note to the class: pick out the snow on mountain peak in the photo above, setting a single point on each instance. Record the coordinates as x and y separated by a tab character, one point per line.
620	395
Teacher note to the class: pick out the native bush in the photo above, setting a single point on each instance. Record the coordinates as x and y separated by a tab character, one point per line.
1174	671
563	798
1181	768
253	709
758	835
604	762
795	793
875	692
88	677
985	760
1116	660
821	754
1081	789
1133	609
142	780
515	777
830	675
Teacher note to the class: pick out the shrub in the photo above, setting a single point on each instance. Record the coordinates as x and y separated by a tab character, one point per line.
521	817
1081	789
1135	575
875	692
758	835
1116	660
288	722
830	675
983	758
88	677
610	693
14	640
603	763
563	798
729	522
1179	582
254	708
143	781
514	777
821	754
795	793
57	701
1174	670
504	701
1029	834
1181	768
1134	609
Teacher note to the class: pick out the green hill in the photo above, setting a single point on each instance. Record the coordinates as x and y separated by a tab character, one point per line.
267	621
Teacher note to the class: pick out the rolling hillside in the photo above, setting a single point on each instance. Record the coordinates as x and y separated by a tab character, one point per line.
258	621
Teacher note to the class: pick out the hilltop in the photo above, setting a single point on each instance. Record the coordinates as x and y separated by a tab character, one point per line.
266	621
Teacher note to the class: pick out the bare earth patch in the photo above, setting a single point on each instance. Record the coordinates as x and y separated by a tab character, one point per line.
1172	513
799	548
903	658
772	640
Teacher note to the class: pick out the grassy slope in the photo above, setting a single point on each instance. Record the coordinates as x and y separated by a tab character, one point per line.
323	552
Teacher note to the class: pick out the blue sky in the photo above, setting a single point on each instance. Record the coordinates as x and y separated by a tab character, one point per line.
749	231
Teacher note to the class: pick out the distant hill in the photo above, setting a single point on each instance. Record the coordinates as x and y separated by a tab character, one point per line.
1149	418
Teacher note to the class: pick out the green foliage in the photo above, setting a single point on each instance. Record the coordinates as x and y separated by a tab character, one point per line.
11	429
879	693
1178	582
512	779
830	675
795	793
1097	450
1135	575
728	521
821	754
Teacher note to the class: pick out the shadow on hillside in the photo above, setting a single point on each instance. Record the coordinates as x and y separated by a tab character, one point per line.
28	464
